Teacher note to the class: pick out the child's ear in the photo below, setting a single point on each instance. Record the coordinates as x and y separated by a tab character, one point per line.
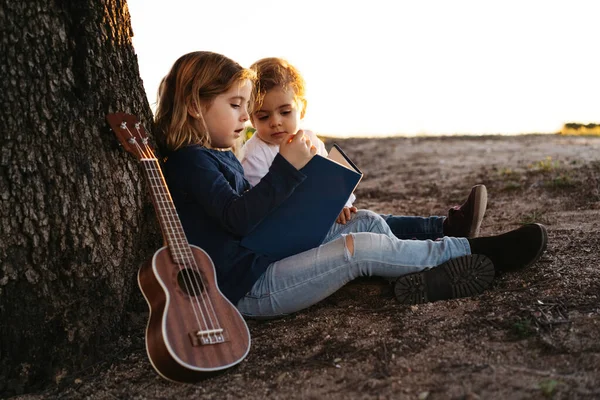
193	111
302	103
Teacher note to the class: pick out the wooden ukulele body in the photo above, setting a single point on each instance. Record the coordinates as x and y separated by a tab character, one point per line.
174	348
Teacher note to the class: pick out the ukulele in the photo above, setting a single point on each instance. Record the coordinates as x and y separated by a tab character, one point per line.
193	331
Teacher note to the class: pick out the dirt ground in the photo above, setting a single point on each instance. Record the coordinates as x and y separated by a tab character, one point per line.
534	335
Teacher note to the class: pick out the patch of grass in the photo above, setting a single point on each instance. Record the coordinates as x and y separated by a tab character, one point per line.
511	185
507	172
523	328
547	387
511	177
560	182
534	217
545	165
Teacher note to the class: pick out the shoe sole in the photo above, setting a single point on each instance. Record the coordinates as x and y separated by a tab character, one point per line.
479	208
464	276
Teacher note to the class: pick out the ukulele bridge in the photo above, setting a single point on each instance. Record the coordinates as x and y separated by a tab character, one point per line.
209	336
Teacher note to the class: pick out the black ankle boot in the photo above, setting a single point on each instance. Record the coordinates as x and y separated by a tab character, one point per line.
464	276
513	250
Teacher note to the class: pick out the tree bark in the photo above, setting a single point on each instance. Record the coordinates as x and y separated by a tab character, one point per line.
75	217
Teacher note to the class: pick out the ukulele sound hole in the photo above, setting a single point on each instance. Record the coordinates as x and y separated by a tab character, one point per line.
190	282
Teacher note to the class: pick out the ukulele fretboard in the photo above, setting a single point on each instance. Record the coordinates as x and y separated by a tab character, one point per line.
166	212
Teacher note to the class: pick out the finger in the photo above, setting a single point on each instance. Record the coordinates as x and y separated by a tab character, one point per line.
347	213
353	209
313	150
289	138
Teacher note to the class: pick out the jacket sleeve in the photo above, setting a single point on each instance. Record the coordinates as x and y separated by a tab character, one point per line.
237	212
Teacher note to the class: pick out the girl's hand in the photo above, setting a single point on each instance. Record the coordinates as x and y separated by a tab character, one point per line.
345	215
297	149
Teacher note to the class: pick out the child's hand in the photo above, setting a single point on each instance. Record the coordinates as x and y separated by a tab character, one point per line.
345	215
297	149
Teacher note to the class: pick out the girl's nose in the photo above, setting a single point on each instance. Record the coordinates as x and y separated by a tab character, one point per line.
275	122
245	116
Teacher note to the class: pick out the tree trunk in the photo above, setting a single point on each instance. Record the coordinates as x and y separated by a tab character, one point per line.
75	219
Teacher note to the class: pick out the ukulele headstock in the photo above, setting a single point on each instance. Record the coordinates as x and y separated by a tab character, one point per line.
131	134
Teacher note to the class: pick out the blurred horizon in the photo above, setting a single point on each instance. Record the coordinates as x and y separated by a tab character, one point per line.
399	68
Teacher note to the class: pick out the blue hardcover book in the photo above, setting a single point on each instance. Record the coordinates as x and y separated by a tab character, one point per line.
302	221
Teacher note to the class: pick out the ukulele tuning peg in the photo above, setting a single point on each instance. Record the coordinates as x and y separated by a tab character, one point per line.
123	125
137	125
131	140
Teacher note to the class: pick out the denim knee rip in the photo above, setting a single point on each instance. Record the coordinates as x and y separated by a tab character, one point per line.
347	255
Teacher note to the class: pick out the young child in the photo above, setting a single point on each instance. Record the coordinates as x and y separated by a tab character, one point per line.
277	106
201	111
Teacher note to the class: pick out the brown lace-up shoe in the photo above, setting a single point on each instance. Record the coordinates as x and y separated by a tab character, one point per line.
465	220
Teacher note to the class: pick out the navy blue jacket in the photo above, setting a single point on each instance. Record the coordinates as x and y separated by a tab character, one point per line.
217	207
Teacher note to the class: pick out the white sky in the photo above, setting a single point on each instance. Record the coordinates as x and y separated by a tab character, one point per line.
399	67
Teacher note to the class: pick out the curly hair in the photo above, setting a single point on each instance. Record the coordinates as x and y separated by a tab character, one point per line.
275	72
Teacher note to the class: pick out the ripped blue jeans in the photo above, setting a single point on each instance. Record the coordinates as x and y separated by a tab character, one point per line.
299	281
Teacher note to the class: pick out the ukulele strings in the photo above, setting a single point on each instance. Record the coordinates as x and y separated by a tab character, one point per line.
188	260
184	251
190	279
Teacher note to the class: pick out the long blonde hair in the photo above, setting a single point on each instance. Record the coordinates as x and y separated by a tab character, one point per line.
194	80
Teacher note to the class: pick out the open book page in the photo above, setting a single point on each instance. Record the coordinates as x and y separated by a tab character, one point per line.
336	154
